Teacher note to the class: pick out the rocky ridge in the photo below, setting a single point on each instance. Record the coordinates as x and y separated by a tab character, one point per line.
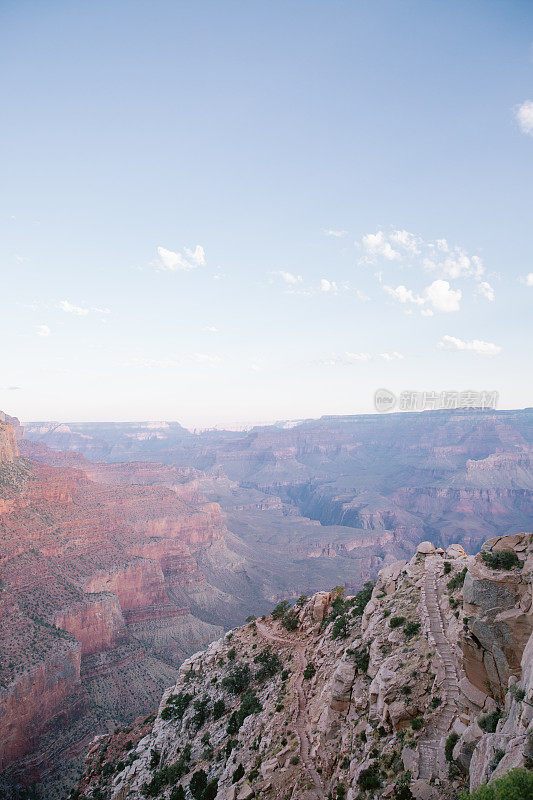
418	687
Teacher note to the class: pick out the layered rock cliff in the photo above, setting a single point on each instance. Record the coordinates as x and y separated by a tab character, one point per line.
452	476
419	687
95	615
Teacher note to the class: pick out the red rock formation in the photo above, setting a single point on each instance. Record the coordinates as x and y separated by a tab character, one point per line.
8	443
83	564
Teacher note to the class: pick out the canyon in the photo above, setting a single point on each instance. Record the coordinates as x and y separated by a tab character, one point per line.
126	547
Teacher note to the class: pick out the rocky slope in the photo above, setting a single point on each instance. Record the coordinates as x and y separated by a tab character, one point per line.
418	687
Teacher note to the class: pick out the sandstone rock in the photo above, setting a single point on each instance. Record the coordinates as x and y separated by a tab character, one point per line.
422	790
320	604
463	750
410	758
342	686
455	551
245	792
426	548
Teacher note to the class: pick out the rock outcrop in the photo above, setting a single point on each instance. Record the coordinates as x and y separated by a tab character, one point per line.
346	696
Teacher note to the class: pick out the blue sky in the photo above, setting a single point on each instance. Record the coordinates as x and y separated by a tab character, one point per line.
340	193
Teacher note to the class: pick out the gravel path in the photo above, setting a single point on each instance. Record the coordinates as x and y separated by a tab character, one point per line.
430	745
301	724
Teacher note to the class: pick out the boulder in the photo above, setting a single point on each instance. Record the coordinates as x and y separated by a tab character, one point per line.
245	792
455	551
464	749
341	689
426	548
320	604
422	790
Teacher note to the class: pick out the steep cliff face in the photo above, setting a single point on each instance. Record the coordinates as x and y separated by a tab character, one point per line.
95	616
365	696
8	443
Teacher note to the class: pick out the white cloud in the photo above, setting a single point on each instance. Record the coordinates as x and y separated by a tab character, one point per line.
171	362
358	356
442	297
407	240
528	280
438	294
43	330
70	308
197	256
211	329
376	244
169	260
328	286
427	312
524	115
336	234
288	277
486	290
410	249
345	359
404	295
476	346
394	356
255	367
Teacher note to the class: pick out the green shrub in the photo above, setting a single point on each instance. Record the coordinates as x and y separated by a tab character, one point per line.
341	627
201	711
501	559
238	774
447	567
249	705
280	609
197	784
219	709
369	778
518	694
457	581
411	629
395	622
514	785
294	760
154	758
451	741
270	664
362	597
238	680
340	791
290	620
176	705
232	653
177	793
310	670
488	722
417	723
361	657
